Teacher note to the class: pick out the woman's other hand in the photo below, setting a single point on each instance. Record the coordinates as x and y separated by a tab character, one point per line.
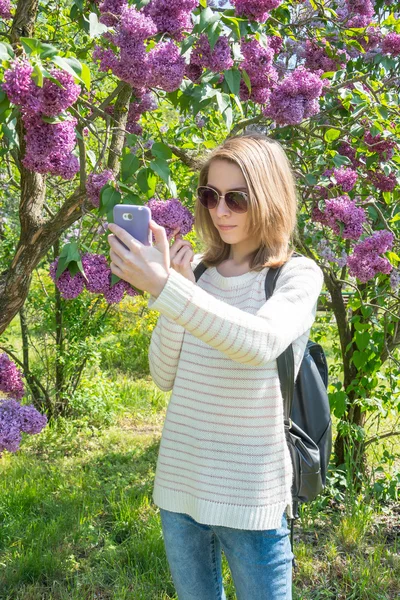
181	254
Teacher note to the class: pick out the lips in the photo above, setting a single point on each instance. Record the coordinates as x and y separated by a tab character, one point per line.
226	226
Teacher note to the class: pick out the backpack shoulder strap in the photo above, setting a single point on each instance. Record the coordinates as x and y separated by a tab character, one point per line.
199	270
285	361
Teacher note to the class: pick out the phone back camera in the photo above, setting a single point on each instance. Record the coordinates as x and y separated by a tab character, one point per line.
127	216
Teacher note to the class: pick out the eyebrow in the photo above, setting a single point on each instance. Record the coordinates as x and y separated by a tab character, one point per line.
234	189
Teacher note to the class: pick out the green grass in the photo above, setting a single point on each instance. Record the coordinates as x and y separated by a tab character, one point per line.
78	522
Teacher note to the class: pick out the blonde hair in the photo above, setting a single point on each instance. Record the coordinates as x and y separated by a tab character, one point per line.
272	212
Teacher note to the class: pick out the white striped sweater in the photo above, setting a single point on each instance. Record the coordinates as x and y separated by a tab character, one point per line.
223	457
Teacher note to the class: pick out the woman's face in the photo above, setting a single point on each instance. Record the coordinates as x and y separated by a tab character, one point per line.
225	176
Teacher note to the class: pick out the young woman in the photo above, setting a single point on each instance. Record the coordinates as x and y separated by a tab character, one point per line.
224	474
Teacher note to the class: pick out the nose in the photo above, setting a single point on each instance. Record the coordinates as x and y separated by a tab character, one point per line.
222	208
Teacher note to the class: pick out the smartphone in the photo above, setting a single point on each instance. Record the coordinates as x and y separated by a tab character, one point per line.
135	220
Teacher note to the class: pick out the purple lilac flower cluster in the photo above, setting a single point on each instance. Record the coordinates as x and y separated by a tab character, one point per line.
357	13
172	16
15	419
346	149
395	279
256	10
95	182
171	214
144	102
343	216
98	280
262	74
111	11
295	98
316	58
385	183
384	147
345	177
127	58
48	145
327	253
5	6
391	44
10	378
366	262
218	59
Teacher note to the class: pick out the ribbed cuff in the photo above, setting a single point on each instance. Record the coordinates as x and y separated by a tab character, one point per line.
174	296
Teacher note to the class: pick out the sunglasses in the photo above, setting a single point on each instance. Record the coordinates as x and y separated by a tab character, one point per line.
236	201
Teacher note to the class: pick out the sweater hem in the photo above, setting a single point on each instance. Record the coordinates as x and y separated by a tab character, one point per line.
210	512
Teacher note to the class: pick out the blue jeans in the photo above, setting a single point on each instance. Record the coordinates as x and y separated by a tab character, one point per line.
260	561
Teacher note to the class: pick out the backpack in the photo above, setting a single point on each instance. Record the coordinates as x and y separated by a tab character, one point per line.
307	419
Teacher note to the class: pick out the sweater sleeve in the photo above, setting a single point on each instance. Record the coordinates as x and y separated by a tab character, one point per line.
249	339
165	345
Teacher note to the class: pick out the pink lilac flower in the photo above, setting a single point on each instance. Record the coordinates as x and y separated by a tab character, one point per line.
366	262
97	272
218	59
49	145
136	24
55	99
111	11
19	85
295	98
15	419
343	216
317	58
391	44
10	377
69	286
345	177
171	214
385	183
167	66
144	102
114	294
172	16
361	7
257	10
5	12
95	182
384	147
262	74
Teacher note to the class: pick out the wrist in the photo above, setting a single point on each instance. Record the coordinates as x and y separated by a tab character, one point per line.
156	291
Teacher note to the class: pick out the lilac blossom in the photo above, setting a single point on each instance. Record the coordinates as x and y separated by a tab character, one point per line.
257	10
366	262
5	12
171	214
343	216
95	182
15	419
262	74
172	16
317	58
69	286
55	99
97	272
167	66
19	85
218	59
385	183
391	44
384	147
395	279
10	377
345	177
295	98
111	11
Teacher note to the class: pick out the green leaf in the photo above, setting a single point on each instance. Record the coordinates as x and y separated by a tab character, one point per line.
161	168
207	17
6	51
359	359
331	135
160	150
38	75
223	101
233	25
340	160
92	157
311	179
71	65
232	78
95	28
246	79
69	253
338	403
227	115
129	166
33	46
109	197
362	340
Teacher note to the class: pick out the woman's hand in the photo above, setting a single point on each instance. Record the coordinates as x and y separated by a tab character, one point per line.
145	267
181	254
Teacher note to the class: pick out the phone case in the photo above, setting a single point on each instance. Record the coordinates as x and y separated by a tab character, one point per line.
135	220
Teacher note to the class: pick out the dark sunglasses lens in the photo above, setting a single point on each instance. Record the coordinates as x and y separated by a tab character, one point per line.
207	197
236	201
